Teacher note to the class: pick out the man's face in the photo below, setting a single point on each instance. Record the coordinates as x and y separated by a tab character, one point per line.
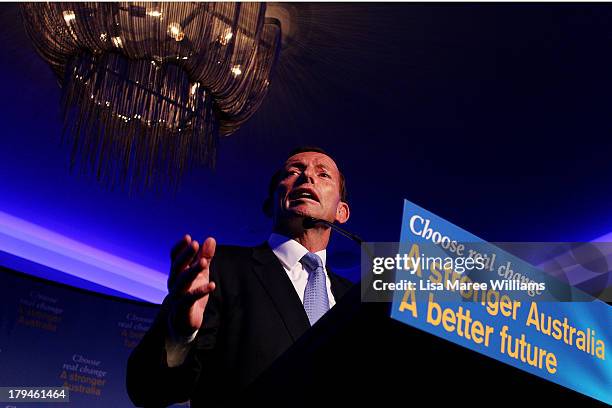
310	187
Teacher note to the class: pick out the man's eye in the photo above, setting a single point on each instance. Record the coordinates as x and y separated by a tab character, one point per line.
293	172
325	175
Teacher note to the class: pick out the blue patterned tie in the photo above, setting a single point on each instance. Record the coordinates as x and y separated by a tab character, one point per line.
316	302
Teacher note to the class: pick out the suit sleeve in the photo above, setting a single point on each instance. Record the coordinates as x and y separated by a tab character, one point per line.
150	381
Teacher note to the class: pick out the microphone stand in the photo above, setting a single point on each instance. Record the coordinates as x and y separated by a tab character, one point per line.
311	222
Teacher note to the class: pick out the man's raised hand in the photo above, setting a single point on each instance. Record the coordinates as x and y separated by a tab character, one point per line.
189	284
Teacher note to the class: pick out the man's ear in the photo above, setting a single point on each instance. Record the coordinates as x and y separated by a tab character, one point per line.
343	212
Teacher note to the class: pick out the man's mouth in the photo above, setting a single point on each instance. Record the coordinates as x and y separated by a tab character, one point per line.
303	194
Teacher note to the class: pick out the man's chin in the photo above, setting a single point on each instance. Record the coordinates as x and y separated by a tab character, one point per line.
300	212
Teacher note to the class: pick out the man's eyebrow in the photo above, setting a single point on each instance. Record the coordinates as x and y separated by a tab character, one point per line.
302	165
297	164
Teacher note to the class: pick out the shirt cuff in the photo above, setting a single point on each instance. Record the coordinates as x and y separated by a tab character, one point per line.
177	346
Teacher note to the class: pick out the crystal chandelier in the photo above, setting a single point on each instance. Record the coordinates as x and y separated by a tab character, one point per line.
148	88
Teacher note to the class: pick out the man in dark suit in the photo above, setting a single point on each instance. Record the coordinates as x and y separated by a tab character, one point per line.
231	311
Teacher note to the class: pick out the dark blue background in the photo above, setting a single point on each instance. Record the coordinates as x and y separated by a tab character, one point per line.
496	117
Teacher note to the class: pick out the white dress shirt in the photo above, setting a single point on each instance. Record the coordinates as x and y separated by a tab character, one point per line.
289	252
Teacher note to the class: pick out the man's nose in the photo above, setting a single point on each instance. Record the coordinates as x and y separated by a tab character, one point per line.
307	176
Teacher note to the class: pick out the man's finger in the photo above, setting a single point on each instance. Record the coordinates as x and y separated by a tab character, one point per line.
198	293
180	246
196	258
179	264
185	257
208	248
206	251
185	278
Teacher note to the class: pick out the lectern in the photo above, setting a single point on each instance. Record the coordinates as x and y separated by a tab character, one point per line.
356	354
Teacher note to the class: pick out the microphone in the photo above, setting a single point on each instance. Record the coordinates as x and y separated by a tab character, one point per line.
311	222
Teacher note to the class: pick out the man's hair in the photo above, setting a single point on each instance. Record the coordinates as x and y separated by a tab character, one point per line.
276	178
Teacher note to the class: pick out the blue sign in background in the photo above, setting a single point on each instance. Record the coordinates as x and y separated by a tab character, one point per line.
52	335
576	369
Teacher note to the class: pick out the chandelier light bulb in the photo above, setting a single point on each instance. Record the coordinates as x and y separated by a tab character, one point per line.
117	42
155	13
236	70
69	16
176	31
226	37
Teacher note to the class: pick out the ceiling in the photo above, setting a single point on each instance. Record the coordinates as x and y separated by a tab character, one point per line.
493	116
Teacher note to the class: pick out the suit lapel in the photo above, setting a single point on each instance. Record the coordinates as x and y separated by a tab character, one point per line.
278	285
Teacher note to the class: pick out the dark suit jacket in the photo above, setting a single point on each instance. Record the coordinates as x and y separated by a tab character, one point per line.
252	317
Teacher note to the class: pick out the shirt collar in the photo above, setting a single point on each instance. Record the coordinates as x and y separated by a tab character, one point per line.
289	251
